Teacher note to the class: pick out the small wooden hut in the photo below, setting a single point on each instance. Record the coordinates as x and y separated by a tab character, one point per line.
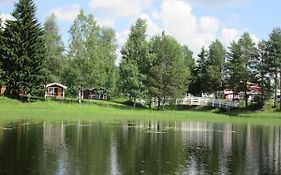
95	93
2	90
55	90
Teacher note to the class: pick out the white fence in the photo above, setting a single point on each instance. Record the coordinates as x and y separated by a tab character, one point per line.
202	101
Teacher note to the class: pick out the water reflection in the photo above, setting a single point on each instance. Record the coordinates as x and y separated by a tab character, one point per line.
139	147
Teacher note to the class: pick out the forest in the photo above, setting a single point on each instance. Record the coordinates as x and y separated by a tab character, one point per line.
33	55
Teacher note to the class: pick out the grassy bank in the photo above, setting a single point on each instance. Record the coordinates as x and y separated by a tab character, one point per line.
11	110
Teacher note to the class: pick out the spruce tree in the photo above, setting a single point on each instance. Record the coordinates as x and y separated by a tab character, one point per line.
215	64
24	58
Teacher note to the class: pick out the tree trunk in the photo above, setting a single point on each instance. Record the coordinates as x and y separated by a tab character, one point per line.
280	91
275	90
159	103
245	93
164	101
150	102
135	102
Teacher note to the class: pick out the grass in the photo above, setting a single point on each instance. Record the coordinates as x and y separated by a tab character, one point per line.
13	110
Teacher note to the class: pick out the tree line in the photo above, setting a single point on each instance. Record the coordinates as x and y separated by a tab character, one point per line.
156	69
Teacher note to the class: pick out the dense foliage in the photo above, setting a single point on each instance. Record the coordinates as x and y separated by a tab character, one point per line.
54	51
24	54
133	67
156	69
91	56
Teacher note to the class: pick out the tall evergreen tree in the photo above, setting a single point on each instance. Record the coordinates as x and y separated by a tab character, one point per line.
1	53
54	50
240	61
24	58
189	63
261	70
134	62
168	73
199	74
249	53
233	67
275	58
215	66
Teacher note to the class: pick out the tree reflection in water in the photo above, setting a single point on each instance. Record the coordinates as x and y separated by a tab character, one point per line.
139	147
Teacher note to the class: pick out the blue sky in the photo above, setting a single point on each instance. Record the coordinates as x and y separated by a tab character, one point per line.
195	23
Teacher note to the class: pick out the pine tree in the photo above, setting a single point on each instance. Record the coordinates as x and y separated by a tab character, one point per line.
240	62
261	70
1	53
168	73
54	50
233	67
249	53
275	58
24	58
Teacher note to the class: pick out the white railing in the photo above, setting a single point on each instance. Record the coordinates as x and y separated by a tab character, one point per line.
202	101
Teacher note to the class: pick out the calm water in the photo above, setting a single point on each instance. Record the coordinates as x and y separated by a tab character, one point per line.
137	147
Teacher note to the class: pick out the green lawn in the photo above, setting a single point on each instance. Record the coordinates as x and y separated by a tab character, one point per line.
12	110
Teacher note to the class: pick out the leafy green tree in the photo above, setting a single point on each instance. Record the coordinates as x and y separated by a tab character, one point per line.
54	50
168	73
106	52
78	54
23	61
275	58
92	51
134	62
133	84
215	66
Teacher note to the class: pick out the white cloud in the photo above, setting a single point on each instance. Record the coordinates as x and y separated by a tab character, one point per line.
67	13
5	17
106	22
209	24
217	4
230	34
120	8
152	28
177	19
255	38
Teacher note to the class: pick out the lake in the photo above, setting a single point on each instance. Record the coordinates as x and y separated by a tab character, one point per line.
138	147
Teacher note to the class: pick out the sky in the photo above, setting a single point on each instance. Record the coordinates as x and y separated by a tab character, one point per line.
195	23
